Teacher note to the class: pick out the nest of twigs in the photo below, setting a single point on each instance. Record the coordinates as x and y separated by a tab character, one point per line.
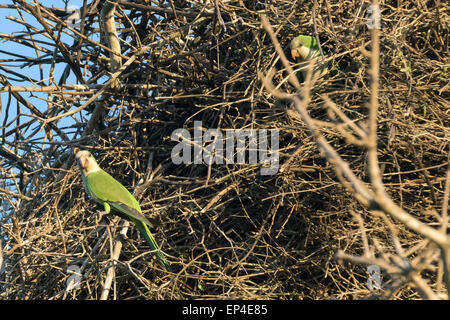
228	231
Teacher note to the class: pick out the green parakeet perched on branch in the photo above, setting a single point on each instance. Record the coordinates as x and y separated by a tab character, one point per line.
305	48
115	198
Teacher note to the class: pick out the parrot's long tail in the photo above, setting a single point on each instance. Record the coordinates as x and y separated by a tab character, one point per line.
153	245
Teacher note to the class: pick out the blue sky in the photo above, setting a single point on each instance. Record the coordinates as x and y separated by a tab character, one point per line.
10	27
7	26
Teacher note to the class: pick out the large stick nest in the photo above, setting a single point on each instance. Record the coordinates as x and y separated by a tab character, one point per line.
227	230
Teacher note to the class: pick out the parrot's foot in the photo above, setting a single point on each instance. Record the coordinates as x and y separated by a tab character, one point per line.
101	215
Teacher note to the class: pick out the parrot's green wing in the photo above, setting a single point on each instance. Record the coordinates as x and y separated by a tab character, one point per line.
103	188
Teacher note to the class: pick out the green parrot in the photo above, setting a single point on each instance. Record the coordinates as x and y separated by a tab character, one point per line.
113	196
305	48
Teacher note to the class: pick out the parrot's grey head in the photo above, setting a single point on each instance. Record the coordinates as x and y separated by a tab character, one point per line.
295	45
86	161
300	50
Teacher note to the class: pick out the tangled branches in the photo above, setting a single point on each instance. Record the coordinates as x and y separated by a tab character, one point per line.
363	177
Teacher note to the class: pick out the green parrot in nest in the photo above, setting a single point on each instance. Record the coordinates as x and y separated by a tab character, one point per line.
305	48
115	198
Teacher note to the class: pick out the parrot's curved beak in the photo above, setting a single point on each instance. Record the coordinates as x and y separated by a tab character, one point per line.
82	159
294	54
83	162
